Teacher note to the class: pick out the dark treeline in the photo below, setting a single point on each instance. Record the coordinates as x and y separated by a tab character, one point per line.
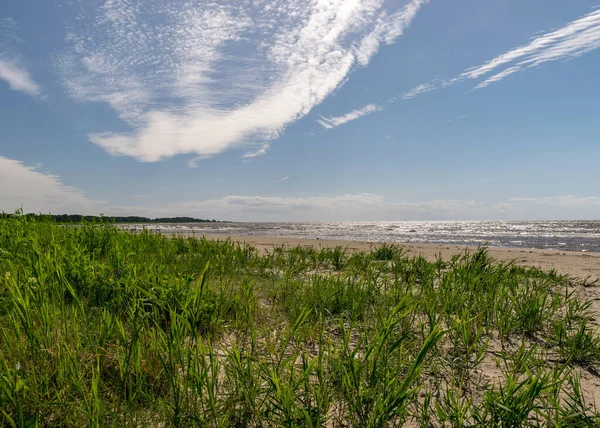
78	218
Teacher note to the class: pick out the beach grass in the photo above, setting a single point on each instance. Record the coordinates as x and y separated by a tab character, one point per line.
102	327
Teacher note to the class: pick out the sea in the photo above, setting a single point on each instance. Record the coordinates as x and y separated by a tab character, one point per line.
579	235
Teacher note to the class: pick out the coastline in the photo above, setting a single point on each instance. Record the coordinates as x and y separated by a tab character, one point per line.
583	265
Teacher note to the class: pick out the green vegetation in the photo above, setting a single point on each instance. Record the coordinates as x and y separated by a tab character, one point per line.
78	218
101	327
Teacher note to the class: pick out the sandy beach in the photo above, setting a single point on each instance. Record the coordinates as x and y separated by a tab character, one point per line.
585	266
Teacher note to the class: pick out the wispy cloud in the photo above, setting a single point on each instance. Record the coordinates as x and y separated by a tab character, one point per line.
8	29
12	69
573	40
422	88
282	179
17	76
449	121
36	191
176	73
332	122
258	152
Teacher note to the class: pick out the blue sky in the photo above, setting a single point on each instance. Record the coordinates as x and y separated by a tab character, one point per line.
301	110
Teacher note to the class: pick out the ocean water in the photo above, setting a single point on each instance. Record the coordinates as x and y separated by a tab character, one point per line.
554	235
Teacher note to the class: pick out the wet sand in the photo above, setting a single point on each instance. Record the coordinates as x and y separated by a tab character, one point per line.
573	263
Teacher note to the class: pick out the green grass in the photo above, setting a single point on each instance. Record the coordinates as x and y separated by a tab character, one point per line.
100	327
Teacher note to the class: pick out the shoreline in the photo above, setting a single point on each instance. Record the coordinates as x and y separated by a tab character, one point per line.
582	265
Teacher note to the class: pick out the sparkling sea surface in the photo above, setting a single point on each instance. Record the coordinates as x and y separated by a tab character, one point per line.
553	235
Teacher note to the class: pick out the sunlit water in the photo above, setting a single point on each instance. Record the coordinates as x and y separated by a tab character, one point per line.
555	235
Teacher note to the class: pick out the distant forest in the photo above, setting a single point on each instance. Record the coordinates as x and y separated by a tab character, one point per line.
78	218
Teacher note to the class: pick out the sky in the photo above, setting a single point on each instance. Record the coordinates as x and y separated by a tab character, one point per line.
301	110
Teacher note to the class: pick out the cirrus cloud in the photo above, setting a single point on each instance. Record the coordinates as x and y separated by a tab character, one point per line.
570	41
18	77
333	122
200	78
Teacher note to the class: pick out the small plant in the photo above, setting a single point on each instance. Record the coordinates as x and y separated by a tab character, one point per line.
467	344
577	344
518	401
454	407
337	257
376	395
331	297
386	252
524	359
532	308
574	410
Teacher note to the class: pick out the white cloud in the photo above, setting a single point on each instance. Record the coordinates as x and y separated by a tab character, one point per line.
423	88
388	27
282	179
567	201
35	191
259	152
332	122
373	207
573	40
205	77
263	208
12	70
17	76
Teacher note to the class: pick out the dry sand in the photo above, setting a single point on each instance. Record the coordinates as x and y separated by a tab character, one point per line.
573	263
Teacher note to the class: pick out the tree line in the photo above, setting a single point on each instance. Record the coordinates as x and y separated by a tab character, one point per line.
78	218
